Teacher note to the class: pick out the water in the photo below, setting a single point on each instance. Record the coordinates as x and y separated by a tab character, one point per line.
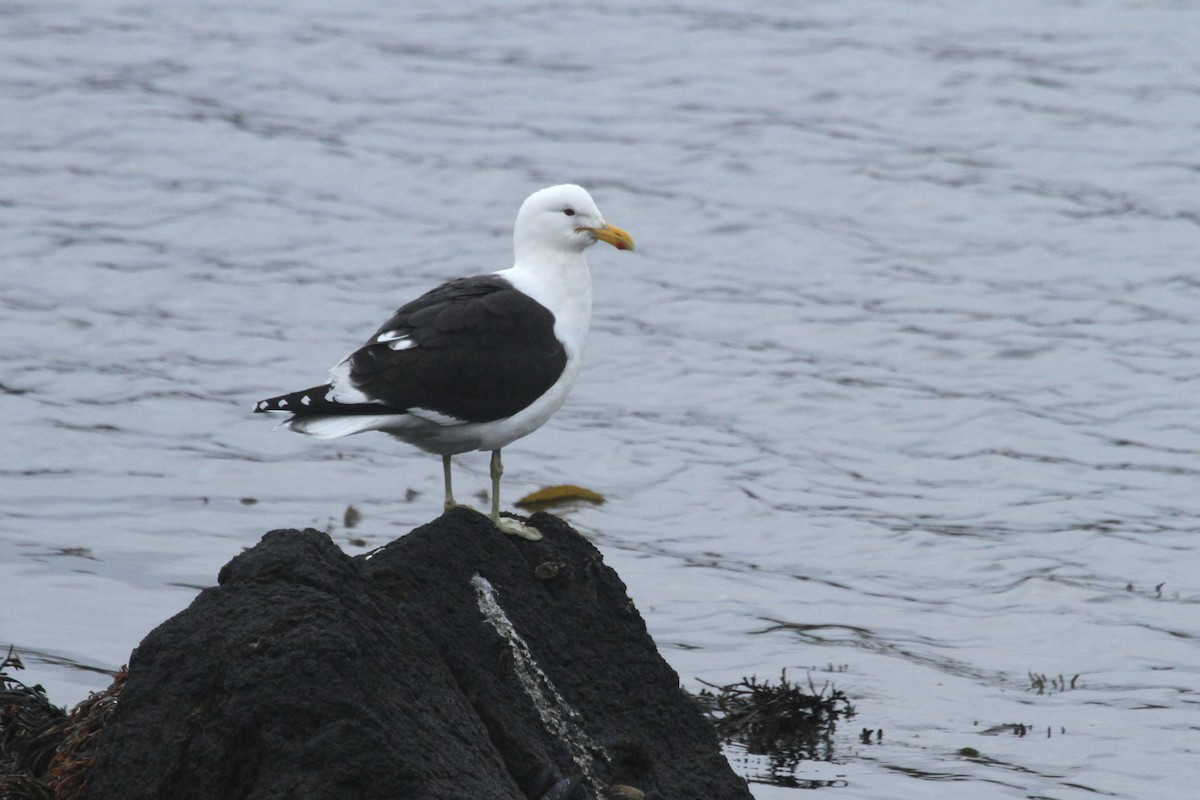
900	388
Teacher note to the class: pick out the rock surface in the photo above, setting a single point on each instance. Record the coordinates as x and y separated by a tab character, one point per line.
455	662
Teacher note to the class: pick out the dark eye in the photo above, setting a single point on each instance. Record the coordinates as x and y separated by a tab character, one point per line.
570	212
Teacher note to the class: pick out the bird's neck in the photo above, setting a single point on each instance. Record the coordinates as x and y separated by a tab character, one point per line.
558	280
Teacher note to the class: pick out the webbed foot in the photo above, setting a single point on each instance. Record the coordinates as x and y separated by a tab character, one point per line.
514	527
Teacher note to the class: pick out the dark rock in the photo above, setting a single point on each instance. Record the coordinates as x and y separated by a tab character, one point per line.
452	663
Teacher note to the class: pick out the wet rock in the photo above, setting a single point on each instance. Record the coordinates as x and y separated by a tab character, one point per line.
444	665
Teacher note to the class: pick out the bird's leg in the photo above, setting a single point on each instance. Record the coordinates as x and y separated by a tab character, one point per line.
450	502
446	477
497	471
507	524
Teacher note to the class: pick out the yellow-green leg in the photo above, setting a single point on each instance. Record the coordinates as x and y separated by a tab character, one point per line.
507	524
446	478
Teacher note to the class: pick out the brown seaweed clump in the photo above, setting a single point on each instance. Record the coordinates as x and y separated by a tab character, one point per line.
783	721
46	753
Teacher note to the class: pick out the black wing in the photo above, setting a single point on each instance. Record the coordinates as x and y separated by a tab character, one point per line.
475	349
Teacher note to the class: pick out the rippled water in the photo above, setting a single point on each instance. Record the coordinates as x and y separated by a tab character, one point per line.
901	387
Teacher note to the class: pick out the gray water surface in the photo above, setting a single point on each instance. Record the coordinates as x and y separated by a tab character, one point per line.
899	389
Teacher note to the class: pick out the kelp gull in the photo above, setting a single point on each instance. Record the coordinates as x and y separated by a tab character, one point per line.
478	362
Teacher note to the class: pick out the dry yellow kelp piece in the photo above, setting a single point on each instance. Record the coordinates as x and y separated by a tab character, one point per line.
557	495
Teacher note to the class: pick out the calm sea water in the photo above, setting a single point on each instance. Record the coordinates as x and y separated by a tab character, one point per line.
901	388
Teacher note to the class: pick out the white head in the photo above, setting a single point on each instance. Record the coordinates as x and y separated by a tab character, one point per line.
563	218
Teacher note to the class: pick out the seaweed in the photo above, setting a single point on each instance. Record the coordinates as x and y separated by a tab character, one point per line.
27	745
45	752
784	720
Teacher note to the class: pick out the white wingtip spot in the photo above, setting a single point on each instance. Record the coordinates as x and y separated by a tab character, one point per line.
306	400
283	403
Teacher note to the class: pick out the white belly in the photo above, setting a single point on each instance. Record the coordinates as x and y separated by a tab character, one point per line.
444	440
